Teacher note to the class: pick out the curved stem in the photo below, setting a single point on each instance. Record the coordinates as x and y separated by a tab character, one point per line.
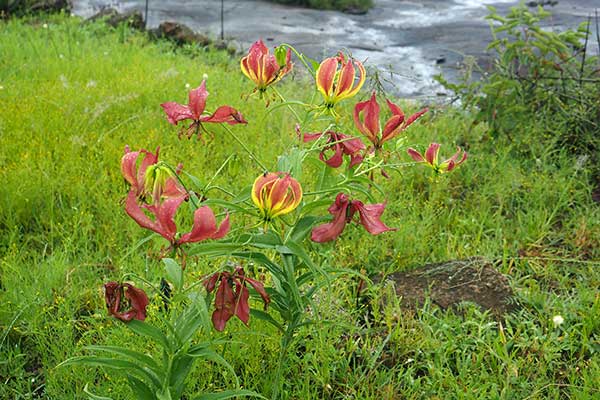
246	149
287	104
182	183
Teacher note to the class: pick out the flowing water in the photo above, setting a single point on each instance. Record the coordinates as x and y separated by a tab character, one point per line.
414	39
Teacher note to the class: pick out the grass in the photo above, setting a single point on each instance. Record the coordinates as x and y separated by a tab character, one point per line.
74	94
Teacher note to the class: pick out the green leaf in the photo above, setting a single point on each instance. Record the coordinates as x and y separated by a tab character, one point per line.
213	249
263	260
195	316
267	318
164	394
149	331
229	394
135	356
174	272
140	389
229	205
93	396
299	252
182	364
114	363
302	228
205	352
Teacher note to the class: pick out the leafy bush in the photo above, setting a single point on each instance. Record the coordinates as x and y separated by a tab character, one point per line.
542	87
331	4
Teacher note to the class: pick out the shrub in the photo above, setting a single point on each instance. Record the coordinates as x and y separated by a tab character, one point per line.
542	86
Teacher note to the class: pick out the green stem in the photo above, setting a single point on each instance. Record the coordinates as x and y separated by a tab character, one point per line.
301	58
285	344
246	149
287	104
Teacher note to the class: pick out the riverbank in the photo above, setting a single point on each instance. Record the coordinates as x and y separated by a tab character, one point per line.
414	40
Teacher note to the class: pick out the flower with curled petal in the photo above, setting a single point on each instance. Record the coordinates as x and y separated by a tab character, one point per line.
232	296
341	145
204	225
366	119
194	110
263	68
275	194
432	158
343	211
115	292
336	78
150	179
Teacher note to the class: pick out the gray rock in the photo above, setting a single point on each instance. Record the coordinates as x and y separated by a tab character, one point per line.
181	34
450	283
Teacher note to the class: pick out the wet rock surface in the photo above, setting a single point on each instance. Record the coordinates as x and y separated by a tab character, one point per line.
404	36
451	283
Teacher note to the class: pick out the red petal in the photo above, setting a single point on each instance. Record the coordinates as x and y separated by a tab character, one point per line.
242	308
211	282
346	79
128	166
396	110
414	117
139	301
112	296
431	154
205	226
260	289
224	303
197	100
370	217
336	159
325	76
165	214
176	112
415	155
358	109
225	114
392	128
333	229
133	209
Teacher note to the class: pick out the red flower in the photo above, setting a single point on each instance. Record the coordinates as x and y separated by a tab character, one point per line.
369	124
137	299
340	144
343	211
194	110
204	226
232	296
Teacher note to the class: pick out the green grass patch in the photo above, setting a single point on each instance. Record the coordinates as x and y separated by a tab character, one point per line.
74	94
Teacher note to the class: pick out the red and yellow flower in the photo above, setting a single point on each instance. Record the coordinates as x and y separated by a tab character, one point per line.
337	80
432	158
275	194
263	68
366	119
